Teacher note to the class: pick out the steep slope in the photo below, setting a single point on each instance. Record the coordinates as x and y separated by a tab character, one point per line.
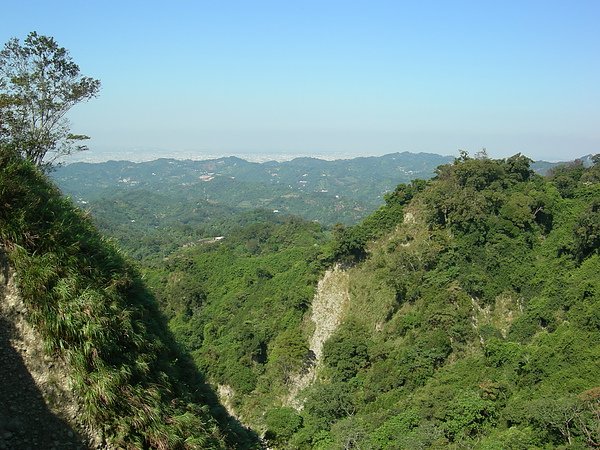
464	302
327	308
37	405
130	381
240	306
472	323
470	315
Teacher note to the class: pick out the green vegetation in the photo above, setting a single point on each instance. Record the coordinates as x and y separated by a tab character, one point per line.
155	207
238	304
470	316
350	243
201	194
472	321
134	385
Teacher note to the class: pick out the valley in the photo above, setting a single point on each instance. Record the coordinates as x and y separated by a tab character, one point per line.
212	258
459	313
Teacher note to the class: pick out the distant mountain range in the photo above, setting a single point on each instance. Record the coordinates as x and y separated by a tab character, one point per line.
344	190
327	191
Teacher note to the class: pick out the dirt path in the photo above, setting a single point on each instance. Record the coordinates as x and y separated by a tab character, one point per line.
327	310
26	420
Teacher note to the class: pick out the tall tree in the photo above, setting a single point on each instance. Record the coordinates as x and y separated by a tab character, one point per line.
39	84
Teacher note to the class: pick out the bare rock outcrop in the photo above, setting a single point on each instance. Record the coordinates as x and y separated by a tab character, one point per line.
327	312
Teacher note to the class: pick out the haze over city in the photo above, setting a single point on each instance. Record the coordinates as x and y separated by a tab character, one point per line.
329	78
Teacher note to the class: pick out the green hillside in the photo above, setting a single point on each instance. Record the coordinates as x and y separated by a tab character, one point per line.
152	208
305	304
474	324
134	386
239	305
469	316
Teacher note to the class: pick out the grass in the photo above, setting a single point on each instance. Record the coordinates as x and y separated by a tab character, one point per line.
136	388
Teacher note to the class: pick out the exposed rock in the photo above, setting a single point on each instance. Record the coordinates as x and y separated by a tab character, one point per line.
226	394
327	312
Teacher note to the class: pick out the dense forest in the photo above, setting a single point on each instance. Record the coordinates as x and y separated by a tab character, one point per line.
155	207
328	191
463	313
471	318
457	286
468	317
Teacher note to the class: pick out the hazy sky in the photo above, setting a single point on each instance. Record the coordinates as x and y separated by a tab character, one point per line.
348	77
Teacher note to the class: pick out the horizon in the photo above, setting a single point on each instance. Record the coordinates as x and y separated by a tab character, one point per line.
143	155
255	157
331	78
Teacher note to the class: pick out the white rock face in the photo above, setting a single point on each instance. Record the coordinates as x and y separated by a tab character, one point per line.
327	312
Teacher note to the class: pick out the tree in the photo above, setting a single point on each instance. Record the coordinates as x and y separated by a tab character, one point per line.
346	352
587	231
39	84
566	177
282	423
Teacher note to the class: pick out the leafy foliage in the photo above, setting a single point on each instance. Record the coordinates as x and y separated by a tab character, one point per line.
39	84
252	289
196	199
472	323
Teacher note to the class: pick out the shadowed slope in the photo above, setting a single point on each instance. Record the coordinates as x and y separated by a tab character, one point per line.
89	305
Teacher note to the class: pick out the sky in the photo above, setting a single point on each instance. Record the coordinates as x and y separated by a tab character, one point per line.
341	78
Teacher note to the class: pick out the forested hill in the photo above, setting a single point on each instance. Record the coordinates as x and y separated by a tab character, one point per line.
376	174
338	191
464	313
91	314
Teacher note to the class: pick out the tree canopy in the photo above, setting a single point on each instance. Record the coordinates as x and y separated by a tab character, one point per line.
39	84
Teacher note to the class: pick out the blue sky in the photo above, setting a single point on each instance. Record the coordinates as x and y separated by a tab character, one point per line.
346	77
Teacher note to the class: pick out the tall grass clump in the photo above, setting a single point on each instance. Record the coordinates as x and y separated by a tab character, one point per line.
135	387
